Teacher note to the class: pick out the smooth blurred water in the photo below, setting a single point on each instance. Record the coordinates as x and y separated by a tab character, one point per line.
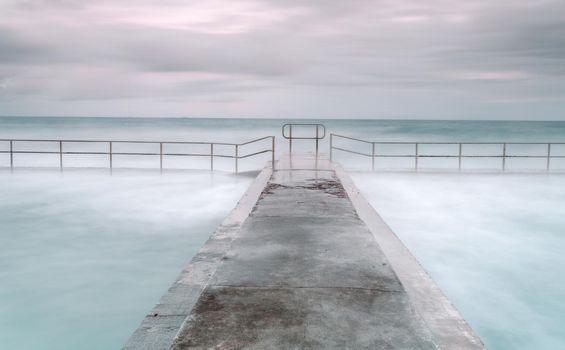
494	243
242	130
235	130
84	255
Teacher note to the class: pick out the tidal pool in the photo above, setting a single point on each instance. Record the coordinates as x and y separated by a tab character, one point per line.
84	255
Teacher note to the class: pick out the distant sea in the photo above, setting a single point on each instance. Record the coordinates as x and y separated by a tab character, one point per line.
235	130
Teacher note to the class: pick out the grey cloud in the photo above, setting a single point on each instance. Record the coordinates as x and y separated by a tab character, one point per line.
530	38
14	49
334	47
181	51
36	4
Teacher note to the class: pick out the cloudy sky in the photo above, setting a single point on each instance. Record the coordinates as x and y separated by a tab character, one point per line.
472	59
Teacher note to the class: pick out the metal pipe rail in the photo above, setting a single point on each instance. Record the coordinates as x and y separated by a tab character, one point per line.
460	155
289	137
12	151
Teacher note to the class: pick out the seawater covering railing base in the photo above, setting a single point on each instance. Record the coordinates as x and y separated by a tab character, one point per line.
236	155
460	153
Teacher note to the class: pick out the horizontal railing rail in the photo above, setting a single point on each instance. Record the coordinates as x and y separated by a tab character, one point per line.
110	152
460	155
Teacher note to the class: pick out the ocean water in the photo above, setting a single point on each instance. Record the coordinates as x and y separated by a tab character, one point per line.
74	245
84	255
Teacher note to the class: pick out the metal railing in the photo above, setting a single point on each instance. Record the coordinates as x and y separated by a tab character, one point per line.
417	155
12	151
290	137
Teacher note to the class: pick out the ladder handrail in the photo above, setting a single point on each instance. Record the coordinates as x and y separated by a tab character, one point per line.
289	137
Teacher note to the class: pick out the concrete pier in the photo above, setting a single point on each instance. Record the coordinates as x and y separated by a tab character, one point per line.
295	267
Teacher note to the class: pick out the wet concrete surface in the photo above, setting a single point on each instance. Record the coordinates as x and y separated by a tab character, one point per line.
304	272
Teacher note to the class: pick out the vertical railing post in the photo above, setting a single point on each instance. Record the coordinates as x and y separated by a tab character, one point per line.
416	157
11	155
161	157
504	157
331	146
273	152
61	155
110	155
211	157
460	154
548	156
236	158
290	139
317	133
373	157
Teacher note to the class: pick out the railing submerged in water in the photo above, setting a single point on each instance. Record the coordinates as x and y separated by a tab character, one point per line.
416	154
12	151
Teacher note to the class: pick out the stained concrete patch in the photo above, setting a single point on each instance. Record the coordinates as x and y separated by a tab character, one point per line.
233	318
311	318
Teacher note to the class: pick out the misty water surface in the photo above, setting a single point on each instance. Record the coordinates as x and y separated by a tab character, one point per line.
84	255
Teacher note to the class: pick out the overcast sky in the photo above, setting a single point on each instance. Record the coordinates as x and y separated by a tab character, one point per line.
431	59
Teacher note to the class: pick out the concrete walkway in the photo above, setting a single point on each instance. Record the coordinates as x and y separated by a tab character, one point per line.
303	271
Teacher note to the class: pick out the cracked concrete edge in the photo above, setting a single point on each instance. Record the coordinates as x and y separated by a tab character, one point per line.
448	327
160	327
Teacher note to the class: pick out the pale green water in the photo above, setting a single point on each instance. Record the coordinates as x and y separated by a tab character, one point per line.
242	129
84	255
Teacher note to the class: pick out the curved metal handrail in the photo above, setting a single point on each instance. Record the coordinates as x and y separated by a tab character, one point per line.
290	137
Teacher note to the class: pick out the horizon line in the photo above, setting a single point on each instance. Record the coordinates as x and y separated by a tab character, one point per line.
287	118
